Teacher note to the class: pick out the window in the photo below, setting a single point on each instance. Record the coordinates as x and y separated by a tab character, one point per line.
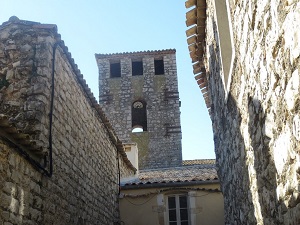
178	210
137	68
159	67
139	116
115	70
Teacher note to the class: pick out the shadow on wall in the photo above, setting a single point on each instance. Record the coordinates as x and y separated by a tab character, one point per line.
263	165
274	208
244	156
234	187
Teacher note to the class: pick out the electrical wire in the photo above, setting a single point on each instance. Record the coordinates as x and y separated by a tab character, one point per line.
127	196
50	172
171	189
138	204
119	174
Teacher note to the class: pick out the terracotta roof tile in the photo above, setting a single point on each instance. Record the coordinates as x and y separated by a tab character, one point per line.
198	162
195	21
188	173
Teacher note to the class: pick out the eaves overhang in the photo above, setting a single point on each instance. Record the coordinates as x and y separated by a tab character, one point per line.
196	23
169	184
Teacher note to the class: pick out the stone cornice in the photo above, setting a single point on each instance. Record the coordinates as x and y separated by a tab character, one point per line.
135	54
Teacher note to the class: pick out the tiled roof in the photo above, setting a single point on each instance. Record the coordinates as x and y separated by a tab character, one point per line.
193	174
198	162
195	21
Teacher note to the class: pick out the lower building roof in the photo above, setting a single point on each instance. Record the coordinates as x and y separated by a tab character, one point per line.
202	173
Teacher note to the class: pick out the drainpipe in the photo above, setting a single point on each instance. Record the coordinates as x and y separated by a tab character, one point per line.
49	174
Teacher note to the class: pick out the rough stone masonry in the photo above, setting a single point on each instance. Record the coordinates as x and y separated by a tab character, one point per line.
257	123
140	89
63	170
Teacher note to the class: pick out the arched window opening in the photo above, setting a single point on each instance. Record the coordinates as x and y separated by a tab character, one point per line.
137	129
139	116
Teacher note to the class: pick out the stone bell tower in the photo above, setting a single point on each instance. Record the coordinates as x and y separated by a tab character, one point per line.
139	94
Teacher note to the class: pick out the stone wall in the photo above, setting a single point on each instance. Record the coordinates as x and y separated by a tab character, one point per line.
160	145
256	125
83	186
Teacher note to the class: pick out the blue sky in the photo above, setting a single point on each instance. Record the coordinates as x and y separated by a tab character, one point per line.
105	26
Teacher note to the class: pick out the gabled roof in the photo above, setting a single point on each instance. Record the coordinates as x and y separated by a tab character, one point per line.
174	176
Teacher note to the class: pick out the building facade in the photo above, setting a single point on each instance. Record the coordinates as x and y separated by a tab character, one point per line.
139	91
60	160
186	195
246	58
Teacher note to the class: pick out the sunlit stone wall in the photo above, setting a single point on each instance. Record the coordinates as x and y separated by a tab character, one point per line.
257	124
83	188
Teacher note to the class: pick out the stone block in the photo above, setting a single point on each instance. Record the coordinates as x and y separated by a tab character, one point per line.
296	127
5	215
292	90
11	47
16	64
35	215
9	188
5	200
7	223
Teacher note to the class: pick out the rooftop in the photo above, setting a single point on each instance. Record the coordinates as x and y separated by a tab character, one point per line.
198	162
196	23
193	172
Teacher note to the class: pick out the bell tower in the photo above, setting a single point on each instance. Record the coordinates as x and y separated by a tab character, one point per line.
138	91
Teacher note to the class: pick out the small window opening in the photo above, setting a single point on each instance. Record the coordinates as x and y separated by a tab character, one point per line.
159	67
139	116
115	70
137	68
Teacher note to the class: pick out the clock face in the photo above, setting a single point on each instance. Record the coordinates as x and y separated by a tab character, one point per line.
138	105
